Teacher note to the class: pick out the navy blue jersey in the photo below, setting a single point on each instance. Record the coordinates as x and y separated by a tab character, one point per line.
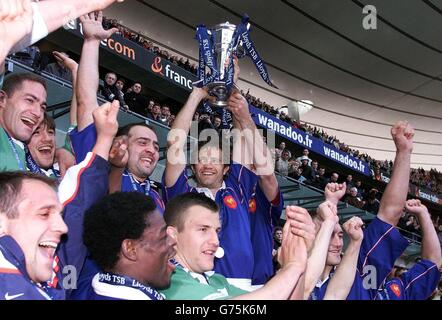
83	142
264	215
235	235
381	246
418	283
82	186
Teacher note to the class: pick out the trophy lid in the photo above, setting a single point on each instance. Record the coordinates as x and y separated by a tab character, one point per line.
225	25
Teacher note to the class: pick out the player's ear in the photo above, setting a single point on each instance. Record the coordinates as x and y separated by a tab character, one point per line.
129	249
172	232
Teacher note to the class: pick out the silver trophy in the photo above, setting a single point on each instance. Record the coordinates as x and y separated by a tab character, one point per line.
223	53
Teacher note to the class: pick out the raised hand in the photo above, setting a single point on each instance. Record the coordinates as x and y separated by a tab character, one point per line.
65	60
119	155
301	224
353	228
415	206
403	133
16	18
239	107
105	118
334	192
293	249
93	27
328	211
102	4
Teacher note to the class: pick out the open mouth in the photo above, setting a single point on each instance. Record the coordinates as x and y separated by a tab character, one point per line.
147	160
45	150
29	122
49	248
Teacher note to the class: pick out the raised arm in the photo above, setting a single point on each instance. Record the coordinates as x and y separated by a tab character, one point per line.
396	191
88	77
118	157
326	220
177	137
294	260
254	145
15	15
431	249
342	280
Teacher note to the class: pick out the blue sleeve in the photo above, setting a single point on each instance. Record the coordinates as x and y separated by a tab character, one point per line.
83	142
181	186
381	246
421	280
244	179
83	185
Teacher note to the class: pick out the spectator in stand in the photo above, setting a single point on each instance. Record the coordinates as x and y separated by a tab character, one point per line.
278	151
361	192
155	113
58	69
333	178
307	171
165	115
349	182
305	154
110	90
353	200
135	100
320	181
372	204
315	169
217	122
282	165
120	87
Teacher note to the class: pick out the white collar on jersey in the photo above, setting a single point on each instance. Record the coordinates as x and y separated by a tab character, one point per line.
208	193
117	292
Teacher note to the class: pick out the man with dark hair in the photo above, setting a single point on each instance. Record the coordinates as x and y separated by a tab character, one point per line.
382	243
419	282
22	106
134	153
41	149
58	69
135	100
230	185
126	237
193	222
31	221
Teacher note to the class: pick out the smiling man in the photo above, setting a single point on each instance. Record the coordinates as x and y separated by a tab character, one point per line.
22	107
126	236
41	148
33	254
193	221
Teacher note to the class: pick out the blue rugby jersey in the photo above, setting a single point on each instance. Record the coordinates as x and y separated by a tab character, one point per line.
235	236
84	141
381	246
83	185
418	283
264	215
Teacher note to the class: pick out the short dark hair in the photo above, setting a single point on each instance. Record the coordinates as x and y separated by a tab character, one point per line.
14	82
116	217
174	215
226	158
48	121
124	131
11	184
